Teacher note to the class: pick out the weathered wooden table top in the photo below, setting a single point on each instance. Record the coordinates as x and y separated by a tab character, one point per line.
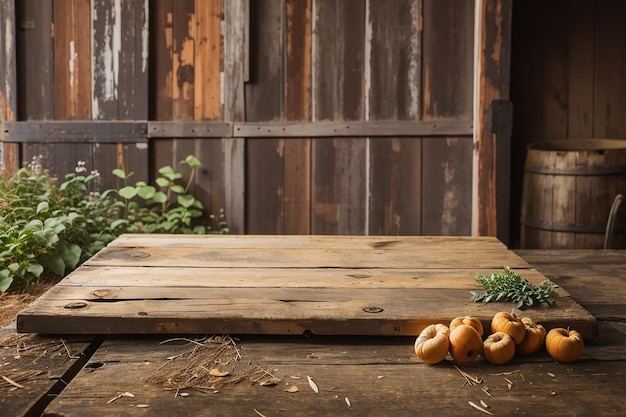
130	375
323	285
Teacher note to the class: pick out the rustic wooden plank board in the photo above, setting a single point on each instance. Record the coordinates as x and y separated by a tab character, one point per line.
330	311
40	365
314	258
372	287
479	243
373	373
108	277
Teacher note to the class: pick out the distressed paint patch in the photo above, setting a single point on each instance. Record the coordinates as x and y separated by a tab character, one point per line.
145	37
106	71
450	201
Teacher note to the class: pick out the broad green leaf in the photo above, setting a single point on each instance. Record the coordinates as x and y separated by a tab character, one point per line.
5	280
116	223
159	197
35	269
192	161
54	263
162	182
70	254
166	170
146	192
178	189
43	207
185	200
119	173
127	192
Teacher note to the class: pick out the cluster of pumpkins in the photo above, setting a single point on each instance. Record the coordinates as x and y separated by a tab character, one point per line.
510	335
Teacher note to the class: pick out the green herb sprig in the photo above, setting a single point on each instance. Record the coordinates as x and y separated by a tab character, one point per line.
510	286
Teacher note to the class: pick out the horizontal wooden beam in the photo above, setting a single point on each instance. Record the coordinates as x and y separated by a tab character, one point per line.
141	131
353	129
74	131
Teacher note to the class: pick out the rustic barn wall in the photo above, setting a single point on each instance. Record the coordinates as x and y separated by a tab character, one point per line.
568	78
366	64
198	68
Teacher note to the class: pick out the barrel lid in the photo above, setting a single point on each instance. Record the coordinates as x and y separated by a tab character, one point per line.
578	145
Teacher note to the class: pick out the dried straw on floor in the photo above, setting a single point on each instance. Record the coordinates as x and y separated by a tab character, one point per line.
208	365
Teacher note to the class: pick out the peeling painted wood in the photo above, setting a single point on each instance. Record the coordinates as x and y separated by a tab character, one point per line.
9	153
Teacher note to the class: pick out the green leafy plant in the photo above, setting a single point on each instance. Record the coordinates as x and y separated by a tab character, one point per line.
169	209
510	286
48	229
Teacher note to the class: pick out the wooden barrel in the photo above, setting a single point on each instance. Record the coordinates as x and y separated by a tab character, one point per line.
568	190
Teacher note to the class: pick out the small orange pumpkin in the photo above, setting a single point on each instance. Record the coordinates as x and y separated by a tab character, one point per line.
534	338
470	321
564	345
509	324
499	348
465	344
432	345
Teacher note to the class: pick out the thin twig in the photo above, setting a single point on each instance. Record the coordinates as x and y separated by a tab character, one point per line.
10	381
67	349
479	408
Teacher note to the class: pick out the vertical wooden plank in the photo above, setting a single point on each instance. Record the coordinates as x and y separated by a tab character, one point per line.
183	88
208	61
120	77
493	74
580	67
338	166
209	182
183	59
72	63
448	59
395	163
133	71
35	60
446	176
264	97
610	70
35	85
296	210
234	110
107	48
9	152
72	80
161	79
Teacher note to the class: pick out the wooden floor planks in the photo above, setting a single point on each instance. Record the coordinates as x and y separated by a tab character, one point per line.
338	285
